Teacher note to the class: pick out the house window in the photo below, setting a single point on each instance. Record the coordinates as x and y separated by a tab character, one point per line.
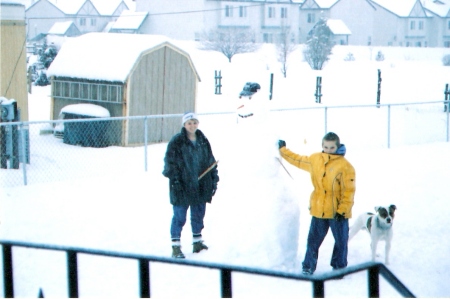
283	12
271	12
93	22
228	11
267	38
420	25
418	44
242	11
83	22
447	44
448	27
311	18
412	25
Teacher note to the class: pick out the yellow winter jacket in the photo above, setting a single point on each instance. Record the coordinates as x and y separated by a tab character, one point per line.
333	178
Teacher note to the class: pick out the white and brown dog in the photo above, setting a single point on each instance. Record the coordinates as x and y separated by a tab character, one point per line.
379	226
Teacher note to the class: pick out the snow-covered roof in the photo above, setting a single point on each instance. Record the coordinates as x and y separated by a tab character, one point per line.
106	7
60	28
130	20
104	56
325	3
438	7
71	7
86	109
338	27
401	8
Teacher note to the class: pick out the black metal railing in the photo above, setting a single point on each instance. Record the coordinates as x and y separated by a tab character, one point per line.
318	280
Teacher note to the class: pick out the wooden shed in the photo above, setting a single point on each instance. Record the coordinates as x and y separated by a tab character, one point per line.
13	65
130	75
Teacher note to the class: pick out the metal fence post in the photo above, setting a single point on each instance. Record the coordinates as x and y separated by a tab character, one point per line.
144	277
23	153
145	143
318	289
8	283
226	287
72	273
389	127
374	282
326	119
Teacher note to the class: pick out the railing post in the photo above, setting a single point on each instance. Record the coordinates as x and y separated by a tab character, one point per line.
326	119
225	277
72	274
318	289
374	282
144	277
8	283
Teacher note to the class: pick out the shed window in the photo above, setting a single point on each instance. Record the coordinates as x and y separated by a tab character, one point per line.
99	92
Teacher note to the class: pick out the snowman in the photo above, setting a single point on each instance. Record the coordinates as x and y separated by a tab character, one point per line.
265	222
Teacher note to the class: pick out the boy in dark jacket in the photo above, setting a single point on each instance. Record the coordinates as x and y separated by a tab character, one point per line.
187	157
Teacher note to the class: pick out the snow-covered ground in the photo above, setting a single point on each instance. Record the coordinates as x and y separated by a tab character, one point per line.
126	209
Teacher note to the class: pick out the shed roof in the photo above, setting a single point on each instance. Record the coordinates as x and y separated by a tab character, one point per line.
107	56
60	28
130	20
338	27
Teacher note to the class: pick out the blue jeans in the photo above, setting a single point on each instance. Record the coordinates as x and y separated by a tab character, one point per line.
179	219
317	232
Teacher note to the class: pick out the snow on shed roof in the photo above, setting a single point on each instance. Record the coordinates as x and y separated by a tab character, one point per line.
130	20
60	28
104	56
326	3
338	27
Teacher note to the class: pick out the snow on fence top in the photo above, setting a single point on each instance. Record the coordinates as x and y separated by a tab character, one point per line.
103	56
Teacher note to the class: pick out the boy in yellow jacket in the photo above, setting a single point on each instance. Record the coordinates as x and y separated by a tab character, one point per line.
333	178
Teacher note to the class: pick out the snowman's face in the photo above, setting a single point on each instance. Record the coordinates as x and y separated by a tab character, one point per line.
249	105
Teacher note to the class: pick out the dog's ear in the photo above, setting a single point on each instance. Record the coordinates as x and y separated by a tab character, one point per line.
393	207
377	208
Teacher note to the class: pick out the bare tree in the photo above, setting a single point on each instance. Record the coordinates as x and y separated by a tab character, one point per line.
319	45
229	42
285	46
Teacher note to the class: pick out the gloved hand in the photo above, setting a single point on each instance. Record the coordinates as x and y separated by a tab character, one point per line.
214	189
339	217
281	143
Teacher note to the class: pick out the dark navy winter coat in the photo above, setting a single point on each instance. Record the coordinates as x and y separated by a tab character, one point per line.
183	164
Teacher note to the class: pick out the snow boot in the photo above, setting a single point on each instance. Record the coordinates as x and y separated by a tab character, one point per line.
198	246
177	253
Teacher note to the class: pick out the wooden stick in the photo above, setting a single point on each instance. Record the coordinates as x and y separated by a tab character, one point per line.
284	167
208	169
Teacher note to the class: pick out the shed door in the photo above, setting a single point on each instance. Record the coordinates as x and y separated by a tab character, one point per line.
163	83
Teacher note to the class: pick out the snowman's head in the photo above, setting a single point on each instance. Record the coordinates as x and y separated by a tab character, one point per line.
246	106
250	88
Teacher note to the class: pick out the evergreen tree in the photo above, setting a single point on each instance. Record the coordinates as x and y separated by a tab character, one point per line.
319	45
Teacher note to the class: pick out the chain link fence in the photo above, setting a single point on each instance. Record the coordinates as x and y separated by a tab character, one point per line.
48	151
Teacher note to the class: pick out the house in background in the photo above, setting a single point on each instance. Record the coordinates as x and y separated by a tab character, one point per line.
60	31
189	20
128	22
87	15
129	75
407	23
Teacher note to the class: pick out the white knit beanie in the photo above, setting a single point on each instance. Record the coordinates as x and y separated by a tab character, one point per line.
187	116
